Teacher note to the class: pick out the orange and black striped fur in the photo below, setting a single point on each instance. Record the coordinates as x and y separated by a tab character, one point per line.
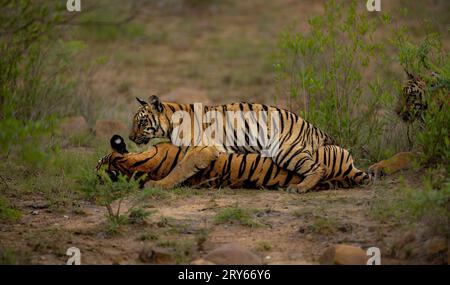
412	105
298	139
229	170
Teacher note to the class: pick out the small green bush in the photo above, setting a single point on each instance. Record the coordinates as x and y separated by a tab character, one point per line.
106	191
235	214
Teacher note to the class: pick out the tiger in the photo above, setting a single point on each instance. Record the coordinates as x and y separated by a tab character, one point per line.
232	170
411	106
297	142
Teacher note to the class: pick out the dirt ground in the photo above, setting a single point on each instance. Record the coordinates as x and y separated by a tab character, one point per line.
286	228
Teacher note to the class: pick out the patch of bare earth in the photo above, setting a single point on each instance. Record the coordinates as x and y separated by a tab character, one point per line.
288	228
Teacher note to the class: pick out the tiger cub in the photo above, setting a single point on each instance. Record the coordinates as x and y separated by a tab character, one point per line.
228	170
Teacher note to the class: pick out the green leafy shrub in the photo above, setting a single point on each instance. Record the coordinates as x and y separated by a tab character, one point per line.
101	188
106	191
430	61
36	84
321	76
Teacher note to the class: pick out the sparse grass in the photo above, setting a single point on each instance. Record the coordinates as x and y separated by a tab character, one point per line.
302	212
264	246
49	241
149	236
138	215
237	215
165	222
186	192
81	140
7	213
13	256
153	194
58	180
426	203
113	226
182	250
323	226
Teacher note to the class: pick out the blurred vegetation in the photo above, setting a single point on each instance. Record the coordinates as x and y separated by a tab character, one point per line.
322	75
429	61
38	87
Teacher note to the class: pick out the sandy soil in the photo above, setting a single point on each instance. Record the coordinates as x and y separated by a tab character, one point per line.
290	228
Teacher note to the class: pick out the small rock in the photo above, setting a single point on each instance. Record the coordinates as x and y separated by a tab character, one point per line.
108	128
156	255
35	212
66	217
436	245
343	254
74	126
232	254
202	261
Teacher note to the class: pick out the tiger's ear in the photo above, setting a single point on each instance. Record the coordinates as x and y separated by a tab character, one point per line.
142	102
155	103
410	75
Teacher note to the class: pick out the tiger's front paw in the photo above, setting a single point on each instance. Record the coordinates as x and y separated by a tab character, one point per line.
377	170
297	189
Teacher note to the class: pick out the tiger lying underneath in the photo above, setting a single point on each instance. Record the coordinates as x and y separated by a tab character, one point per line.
228	170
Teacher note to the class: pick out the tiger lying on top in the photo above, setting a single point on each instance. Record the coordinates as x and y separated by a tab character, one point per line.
228	170
298	140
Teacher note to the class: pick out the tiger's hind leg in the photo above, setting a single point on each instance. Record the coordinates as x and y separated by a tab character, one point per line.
195	160
398	162
303	163
312	172
339	167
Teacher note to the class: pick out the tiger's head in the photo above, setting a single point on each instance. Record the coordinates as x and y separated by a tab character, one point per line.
411	103
150	122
